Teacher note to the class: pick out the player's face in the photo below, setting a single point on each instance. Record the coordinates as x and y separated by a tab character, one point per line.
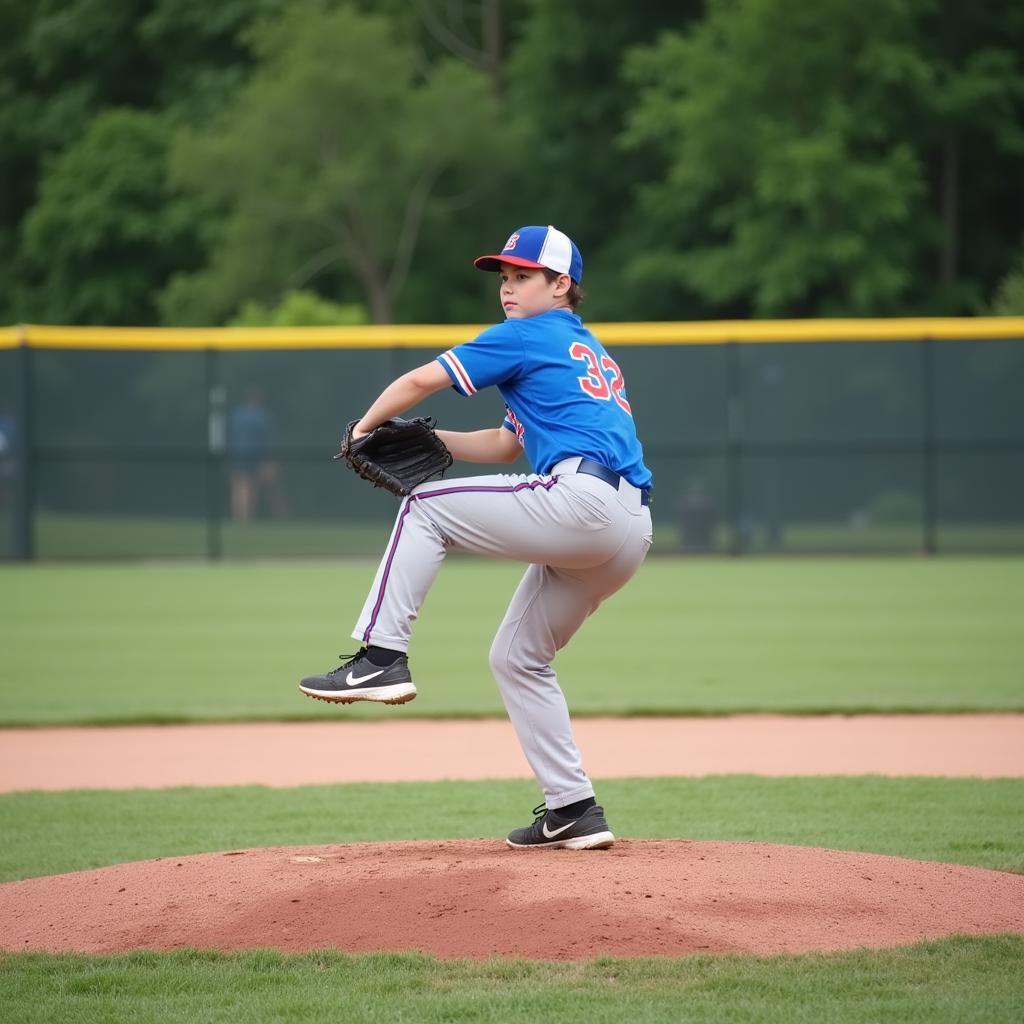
526	292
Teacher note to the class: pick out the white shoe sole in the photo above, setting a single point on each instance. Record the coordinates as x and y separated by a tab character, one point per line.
400	693
597	841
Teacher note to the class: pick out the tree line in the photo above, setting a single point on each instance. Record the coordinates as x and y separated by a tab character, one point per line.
251	161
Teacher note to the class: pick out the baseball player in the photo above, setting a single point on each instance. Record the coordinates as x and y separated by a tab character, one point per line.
581	519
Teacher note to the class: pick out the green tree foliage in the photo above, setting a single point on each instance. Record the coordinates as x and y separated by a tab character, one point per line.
971	138
83	55
799	154
60	61
712	157
784	187
565	72
103	236
299	309
64	62
1009	297
329	160
198	53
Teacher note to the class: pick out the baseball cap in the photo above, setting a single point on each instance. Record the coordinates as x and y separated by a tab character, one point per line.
538	246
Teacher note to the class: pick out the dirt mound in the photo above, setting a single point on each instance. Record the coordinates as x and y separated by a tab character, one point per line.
477	899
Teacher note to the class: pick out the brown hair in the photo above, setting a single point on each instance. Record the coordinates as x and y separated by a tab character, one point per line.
574	296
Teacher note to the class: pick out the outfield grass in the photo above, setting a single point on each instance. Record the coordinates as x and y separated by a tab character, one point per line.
160	642
974	981
963	821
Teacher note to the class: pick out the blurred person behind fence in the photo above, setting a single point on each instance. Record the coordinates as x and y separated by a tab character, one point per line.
254	473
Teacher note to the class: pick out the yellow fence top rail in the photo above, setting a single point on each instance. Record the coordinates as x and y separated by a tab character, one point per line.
441	336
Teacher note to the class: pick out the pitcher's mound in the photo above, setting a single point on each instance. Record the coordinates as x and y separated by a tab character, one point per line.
477	898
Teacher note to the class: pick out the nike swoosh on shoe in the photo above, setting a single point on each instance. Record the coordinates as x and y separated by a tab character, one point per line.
554	832
351	680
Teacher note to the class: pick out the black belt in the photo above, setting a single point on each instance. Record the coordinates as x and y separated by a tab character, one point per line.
592	468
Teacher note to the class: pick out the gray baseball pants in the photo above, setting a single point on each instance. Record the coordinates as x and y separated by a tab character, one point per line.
584	540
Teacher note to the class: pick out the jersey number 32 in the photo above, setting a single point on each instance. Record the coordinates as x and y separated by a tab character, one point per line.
595	383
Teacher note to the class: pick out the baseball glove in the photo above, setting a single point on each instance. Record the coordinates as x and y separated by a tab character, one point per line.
397	455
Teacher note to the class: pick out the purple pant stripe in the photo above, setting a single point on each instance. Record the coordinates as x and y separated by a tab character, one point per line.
546	484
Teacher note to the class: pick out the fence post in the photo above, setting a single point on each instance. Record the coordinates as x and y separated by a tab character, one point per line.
215	445
24	453
928	449
733	443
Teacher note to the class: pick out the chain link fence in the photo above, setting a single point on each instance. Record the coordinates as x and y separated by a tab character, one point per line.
780	437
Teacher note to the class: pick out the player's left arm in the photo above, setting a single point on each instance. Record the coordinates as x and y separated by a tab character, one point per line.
402	394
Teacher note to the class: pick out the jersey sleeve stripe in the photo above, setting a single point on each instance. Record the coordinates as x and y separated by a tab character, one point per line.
457	371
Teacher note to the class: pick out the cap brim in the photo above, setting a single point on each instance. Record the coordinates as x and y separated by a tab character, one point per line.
495	262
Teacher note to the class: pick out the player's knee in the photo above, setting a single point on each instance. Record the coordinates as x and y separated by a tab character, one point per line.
510	657
513	659
498	658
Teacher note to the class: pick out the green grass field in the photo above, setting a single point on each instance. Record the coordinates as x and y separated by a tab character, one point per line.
962	821
956	981
194	641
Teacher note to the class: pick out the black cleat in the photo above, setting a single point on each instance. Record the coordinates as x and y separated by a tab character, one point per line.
550	831
360	679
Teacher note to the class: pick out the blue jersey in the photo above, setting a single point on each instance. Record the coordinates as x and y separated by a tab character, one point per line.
564	395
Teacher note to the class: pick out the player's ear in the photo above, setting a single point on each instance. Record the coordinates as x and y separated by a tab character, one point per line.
562	285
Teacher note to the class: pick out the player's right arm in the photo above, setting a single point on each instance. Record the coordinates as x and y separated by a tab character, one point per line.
496	445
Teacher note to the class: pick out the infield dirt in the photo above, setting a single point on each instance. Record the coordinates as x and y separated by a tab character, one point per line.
348	750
